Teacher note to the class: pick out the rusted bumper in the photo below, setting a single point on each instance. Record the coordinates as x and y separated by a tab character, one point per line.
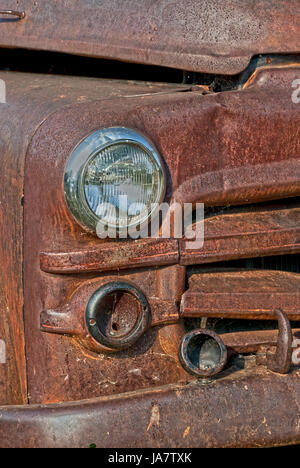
257	408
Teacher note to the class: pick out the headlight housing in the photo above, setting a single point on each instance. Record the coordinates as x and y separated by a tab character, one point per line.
114	178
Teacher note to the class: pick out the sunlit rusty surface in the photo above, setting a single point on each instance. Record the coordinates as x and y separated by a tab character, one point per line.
245	294
227	236
234	148
248	408
208	36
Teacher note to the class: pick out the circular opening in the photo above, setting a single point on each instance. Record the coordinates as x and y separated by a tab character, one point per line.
117	314
204	352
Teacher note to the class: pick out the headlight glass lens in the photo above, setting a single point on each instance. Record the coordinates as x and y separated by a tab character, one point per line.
121	183
115	177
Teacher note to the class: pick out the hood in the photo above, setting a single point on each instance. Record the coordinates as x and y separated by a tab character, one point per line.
206	36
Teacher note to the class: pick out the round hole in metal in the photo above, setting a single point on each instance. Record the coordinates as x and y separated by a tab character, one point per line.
121	314
202	353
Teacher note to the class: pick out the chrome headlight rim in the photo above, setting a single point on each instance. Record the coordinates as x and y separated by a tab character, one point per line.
81	157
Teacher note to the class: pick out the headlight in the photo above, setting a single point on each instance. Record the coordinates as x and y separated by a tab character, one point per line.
114	177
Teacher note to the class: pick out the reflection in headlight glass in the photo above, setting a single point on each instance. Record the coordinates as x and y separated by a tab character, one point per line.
121	182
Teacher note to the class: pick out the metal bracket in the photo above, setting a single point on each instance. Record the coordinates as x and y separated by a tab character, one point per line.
18	14
278	359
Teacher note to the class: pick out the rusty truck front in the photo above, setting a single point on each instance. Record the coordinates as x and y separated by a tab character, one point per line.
150	227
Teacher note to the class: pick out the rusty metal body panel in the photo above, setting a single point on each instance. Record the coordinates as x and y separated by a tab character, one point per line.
223	169
235	148
246	234
252	294
30	100
228	236
28	106
208	36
